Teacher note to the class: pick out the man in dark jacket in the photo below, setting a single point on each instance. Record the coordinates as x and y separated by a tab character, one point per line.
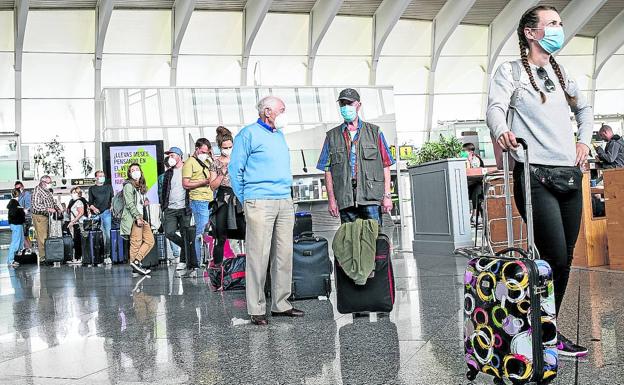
613	154
175	201
356	160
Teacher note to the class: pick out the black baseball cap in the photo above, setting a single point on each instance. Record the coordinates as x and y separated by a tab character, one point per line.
349	94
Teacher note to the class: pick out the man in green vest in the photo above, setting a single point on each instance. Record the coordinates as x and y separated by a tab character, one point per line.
356	160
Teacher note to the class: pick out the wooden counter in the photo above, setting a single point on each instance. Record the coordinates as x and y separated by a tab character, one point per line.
614	206
591	246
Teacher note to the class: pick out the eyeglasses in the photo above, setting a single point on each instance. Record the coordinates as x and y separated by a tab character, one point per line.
550	86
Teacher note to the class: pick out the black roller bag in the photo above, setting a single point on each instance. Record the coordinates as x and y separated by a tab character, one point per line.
311	273
377	295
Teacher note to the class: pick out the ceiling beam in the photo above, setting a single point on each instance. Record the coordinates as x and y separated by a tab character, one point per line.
182	11
104	11
20	18
502	27
576	14
608	41
445	23
253	16
385	18
321	17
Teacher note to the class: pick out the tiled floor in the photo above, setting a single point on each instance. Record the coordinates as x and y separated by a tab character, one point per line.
98	326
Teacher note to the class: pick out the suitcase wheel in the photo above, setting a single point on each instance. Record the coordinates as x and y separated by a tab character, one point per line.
471	374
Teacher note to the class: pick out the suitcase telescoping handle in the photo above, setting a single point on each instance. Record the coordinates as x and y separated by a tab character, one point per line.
530	252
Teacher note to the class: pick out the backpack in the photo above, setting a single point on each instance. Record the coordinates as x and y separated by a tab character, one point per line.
117	204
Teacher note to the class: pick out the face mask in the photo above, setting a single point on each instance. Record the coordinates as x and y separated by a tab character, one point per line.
74	196
349	113
171	162
552	40
202	157
47	186
101	179
136	175
281	122
226	151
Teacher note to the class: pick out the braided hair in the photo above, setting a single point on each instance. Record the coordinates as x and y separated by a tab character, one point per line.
530	19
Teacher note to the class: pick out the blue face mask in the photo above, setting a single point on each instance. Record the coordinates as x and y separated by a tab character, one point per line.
349	113
552	40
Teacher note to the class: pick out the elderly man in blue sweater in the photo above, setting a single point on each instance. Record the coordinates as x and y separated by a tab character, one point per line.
260	173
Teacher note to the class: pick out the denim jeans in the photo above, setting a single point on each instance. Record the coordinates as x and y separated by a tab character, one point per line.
17	241
105	218
350	214
201	214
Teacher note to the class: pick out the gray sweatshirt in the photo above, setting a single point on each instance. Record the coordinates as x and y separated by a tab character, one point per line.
546	127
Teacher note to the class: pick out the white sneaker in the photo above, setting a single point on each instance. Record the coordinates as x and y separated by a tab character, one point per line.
108	261
181	266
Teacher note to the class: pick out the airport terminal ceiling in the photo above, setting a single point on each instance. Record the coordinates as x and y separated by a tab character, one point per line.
56	57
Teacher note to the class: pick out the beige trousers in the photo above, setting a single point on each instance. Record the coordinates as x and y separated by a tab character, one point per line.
40	222
141	242
269	238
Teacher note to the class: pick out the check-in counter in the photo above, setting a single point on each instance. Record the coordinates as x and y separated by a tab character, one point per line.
592	246
614	204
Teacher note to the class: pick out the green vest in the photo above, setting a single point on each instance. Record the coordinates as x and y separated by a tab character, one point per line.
370	170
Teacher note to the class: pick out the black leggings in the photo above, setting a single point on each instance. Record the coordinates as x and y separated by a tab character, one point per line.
221	225
556	222
475	193
77	242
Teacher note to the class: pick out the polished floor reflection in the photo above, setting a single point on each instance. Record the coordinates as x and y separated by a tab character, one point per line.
101	326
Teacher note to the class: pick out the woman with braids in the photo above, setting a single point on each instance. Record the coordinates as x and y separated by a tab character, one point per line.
226	207
538	95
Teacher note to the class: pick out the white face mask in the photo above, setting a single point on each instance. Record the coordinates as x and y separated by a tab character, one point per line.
136	175
74	196
202	157
171	162
226	151
101	179
281	122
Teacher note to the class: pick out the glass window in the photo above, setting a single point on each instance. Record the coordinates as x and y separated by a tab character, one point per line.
224	28
333	70
328	104
7	115
7	76
71	120
467	40
465	107
60	31
371	105
609	102
249	101
197	71
134	31
152	108
169	110
289	98
206	102
6	31
74	153
308	105
410	113
115	108
229	107
135	108
358	30
409	38
460	74
277	70
135	70
57	75
611	76
282	34
580	68
406	74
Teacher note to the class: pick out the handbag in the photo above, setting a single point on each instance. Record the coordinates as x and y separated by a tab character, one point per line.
561	179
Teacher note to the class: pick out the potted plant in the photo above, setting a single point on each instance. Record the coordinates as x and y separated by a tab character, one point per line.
439	197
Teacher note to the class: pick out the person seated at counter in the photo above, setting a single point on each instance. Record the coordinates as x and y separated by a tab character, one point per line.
475	185
612	156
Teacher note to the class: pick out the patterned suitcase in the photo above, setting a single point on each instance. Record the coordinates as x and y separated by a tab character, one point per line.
510	329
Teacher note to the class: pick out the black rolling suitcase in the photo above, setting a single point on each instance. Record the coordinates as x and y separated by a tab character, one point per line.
377	295
509	306
92	247
55	248
303	223
311	272
158	253
119	247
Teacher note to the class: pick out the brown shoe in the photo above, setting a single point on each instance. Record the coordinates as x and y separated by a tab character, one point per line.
289	313
259	320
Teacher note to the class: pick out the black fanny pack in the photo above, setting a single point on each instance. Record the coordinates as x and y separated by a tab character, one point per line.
561	179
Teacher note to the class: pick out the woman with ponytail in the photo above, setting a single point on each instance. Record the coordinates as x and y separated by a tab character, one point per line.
531	98
226	207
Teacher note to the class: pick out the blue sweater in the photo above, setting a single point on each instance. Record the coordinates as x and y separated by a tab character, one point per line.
260	164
